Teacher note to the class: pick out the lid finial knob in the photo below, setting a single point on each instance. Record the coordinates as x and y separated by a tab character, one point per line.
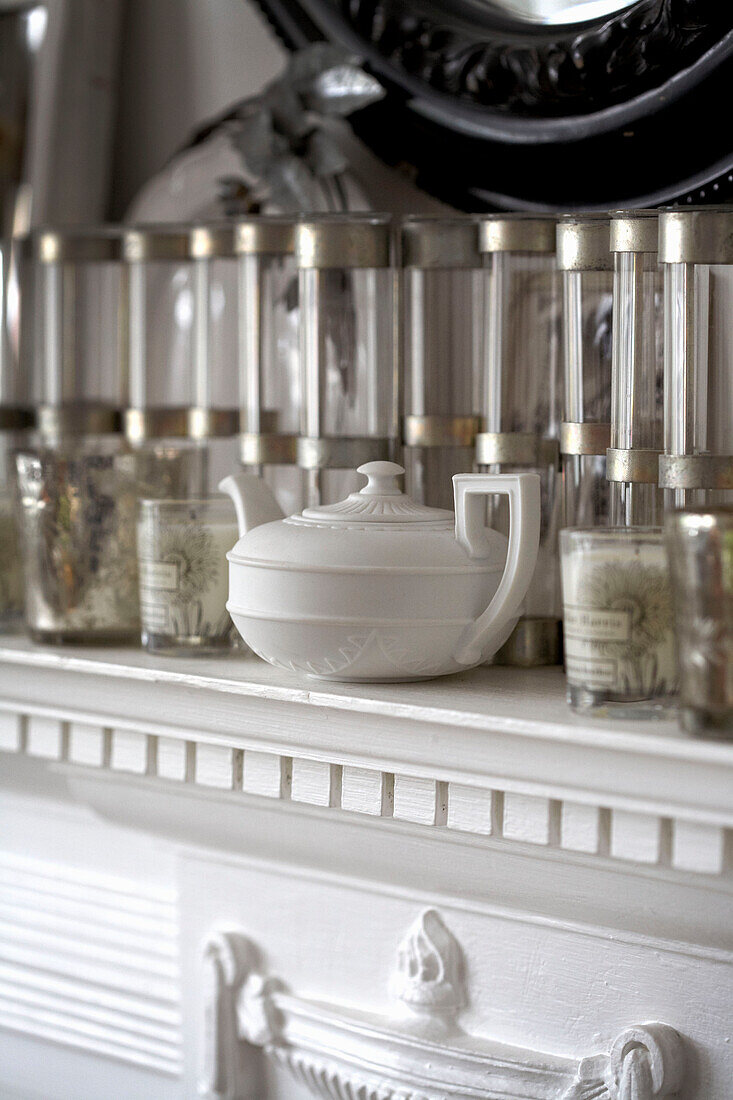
381	478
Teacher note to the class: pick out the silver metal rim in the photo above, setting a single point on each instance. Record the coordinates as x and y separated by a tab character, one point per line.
156	423
696	471
208	242
265	236
102	244
440	431
637	465
516	449
157	242
268	449
696	236
517	233
79	418
635	231
341	453
440	243
584	439
344	241
584	244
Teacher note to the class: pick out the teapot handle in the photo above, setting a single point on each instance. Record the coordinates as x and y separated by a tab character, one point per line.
523	491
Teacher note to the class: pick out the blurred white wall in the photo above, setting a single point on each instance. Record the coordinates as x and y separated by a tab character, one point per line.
182	62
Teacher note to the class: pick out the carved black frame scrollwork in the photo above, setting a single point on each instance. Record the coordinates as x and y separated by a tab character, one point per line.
490	111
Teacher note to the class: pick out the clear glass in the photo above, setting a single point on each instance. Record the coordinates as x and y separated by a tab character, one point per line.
161	333
618	626
348	364
182	548
700	546
78	337
443	336
520	390
11	567
269	363
698	380
215	333
587	352
14	388
77	521
637	384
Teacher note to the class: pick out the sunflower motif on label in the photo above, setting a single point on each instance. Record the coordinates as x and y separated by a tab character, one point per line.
191	549
640	595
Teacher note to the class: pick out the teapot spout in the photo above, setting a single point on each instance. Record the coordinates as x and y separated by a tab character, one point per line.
254	502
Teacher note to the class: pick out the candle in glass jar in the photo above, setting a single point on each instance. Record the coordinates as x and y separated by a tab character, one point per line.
618	622
182	548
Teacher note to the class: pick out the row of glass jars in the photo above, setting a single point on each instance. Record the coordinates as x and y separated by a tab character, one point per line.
516	348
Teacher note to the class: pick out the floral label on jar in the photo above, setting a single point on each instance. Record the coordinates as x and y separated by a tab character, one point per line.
618	621
183	578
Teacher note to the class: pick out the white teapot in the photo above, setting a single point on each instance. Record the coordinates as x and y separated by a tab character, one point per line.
378	587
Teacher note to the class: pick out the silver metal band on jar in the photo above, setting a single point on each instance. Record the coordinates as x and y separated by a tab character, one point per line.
696	471
583	244
584	439
268	449
635	231
150	243
516	449
344	241
703	235
265	235
517	233
78	418
440	431
180	422
341	453
96	244
634	465
440	243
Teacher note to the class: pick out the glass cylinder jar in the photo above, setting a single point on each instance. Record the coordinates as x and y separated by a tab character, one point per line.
700	548
618	620
182	547
15	418
269	355
77	518
347	349
632	461
696	252
78	354
442	323
520	402
584	257
178	403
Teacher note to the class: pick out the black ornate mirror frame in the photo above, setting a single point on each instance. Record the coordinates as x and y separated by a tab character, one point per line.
488	111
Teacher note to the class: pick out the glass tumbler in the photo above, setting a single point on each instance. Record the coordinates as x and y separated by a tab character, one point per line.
619	637
700	546
182	547
77	522
584	257
443	325
346	288
520	402
637	415
696	254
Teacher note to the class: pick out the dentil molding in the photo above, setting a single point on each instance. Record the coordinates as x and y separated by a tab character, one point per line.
417	1052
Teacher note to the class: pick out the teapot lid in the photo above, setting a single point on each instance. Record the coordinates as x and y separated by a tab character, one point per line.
380	501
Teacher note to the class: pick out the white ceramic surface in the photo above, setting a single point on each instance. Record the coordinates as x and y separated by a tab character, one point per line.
378	587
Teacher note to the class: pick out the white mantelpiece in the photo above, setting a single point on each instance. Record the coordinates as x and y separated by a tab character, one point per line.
581	869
